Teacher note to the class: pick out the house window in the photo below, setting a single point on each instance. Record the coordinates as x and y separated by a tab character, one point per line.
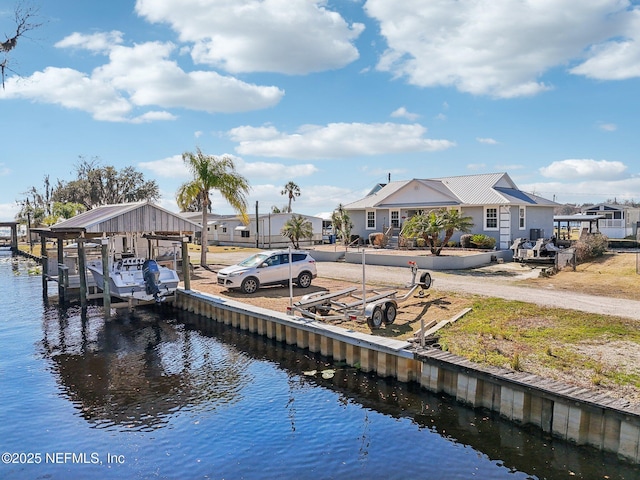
395	218
224	229
522	219
244	234
371	219
491	219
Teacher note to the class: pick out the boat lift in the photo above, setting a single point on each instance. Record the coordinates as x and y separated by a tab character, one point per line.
371	306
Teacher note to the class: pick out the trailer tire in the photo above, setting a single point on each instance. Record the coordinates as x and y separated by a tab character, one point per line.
376	319
425	280
390	313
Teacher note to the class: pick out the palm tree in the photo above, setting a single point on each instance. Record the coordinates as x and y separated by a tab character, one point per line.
291	190
296	229
452	221
342	224
212	172
428	225
425	225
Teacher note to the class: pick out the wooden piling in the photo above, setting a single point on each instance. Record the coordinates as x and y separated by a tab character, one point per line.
106	290
82	272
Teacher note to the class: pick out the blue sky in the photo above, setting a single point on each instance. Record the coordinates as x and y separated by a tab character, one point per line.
333	95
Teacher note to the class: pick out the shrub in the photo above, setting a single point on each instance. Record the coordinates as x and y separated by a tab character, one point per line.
591	246
465	240
483	241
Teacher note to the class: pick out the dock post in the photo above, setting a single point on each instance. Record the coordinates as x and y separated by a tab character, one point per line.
14	237
186	274
45	266
106	288
63	282
82	272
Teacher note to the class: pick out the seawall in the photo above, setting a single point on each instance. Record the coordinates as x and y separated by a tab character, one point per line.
574	414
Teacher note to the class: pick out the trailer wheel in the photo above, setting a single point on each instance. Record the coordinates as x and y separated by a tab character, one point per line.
376	319
425	279
390	312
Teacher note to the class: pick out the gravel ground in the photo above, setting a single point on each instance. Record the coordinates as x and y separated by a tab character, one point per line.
497	280
506	281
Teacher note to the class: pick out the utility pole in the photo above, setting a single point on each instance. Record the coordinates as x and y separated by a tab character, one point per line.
257	226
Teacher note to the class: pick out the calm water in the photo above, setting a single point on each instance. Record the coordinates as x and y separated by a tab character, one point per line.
162	394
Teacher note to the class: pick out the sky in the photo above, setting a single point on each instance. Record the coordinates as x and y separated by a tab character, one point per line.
336	96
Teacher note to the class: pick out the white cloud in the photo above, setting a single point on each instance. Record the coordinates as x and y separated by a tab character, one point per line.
4	170
8	211
586	191
617	58
585	168
262	170
476	166
608	127
487	141
336	140
96	42
239	36
170	167
500	48
402	112
138	77
173	167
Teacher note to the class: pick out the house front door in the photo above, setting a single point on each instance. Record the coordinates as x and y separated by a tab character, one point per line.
394	215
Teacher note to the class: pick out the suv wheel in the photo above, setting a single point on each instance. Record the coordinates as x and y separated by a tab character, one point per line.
249	285
304	280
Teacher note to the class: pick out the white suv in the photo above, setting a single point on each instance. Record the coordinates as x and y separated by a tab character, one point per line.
269	268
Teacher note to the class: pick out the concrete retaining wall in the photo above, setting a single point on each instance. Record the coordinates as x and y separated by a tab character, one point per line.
431	262
575	414
325	256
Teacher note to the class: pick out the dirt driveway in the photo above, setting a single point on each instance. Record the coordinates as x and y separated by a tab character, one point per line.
510	280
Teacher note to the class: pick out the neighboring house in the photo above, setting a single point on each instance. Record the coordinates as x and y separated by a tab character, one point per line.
229	230
620	220
493	201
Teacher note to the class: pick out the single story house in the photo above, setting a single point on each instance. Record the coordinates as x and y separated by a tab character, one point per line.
497	207
619	221
263	232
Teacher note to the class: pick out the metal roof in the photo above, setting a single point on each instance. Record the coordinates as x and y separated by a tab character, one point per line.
578	217
127	218
483	189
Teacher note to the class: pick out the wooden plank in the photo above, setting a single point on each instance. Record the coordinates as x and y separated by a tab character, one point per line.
444	323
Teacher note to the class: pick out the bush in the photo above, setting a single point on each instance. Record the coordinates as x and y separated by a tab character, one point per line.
465	240
483	241
591	246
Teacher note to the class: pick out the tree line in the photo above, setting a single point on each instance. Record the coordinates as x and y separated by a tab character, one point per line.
94	185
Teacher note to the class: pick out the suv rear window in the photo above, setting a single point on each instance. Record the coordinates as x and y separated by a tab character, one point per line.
297	257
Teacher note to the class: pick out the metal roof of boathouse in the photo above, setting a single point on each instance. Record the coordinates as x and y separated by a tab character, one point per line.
127	218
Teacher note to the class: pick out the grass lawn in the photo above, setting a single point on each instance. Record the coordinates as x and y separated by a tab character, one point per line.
594	351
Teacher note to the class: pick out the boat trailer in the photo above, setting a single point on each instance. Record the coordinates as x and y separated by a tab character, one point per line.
371	306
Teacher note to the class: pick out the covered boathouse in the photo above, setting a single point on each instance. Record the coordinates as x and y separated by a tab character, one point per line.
142	228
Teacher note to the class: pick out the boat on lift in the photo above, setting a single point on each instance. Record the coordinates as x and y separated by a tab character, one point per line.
136	277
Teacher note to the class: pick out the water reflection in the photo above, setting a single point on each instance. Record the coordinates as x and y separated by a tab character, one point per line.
516	448
136	370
